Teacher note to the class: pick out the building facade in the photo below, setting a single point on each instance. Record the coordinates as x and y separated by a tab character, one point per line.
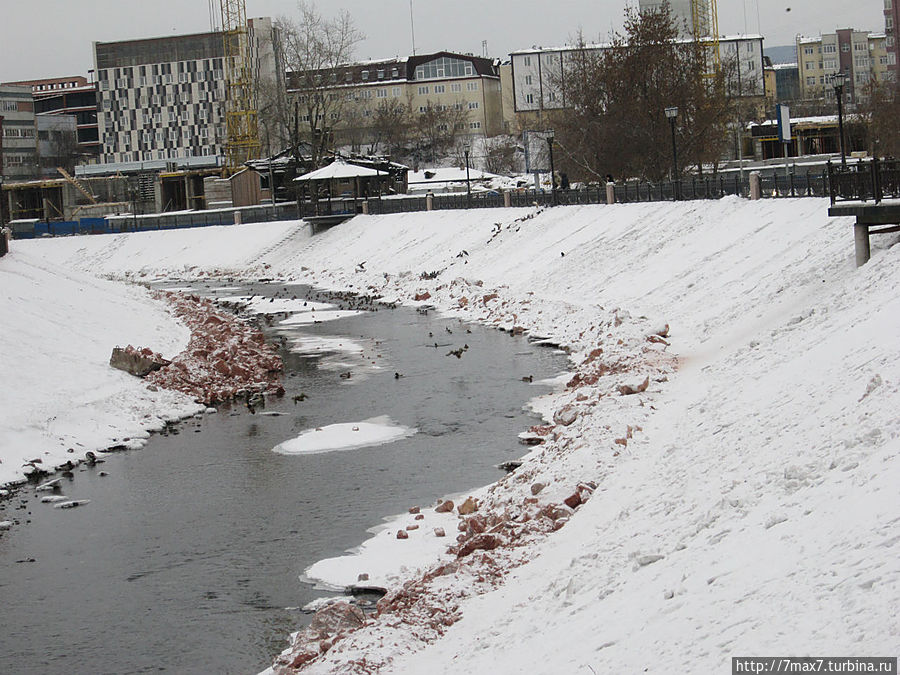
70	96
681	12
862	56
892	48
164	98
467	85
538	75
18	133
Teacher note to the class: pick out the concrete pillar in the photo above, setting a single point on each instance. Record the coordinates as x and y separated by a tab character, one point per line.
507	199
237	217
861	239
610	193
755	188
429	202
365	207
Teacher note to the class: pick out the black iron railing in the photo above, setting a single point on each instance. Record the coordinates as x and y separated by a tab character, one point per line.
875	180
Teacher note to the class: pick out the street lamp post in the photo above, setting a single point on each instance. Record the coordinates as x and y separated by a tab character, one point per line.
672	114
466	149
553	197
838	81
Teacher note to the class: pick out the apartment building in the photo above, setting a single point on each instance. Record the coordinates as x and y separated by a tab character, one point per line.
892	47
862	56
680	10
71	96
445	81
538	74
18	134
164	98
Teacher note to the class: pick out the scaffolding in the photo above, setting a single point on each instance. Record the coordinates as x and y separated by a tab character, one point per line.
705	19
241	116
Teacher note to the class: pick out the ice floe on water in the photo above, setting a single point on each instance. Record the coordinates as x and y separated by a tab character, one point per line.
345	436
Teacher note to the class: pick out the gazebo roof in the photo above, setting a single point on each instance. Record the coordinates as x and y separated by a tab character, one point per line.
339	169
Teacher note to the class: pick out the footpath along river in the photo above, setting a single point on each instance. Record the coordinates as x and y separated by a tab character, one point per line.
187	558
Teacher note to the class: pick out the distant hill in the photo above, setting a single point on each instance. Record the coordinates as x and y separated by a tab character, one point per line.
786	54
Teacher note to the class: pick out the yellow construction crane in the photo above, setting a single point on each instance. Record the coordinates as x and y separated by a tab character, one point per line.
705	18
241	116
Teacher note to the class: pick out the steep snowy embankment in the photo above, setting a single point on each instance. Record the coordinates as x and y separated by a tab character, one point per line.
745	503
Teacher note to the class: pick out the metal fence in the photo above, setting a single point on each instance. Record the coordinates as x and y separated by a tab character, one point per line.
862	181
876	179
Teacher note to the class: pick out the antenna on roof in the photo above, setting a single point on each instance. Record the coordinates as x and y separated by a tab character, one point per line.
412	27
484	50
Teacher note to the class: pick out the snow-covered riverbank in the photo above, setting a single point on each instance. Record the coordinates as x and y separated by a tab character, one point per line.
743	503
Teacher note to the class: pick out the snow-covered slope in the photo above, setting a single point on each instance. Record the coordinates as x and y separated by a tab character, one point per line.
756	509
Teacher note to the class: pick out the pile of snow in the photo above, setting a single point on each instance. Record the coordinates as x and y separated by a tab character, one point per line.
741	502
345	436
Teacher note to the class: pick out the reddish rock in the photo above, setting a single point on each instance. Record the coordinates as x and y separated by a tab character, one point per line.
574	500
627	389
439	532
410	528
401	534
414	509
536	488
362	577
480	542
303	657
444	507
420	516
467	507
422	296
475	524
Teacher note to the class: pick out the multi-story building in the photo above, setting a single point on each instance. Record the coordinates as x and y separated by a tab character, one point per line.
18	135
681	12
164	98
75	97
860	55
538	74
467	85
892	47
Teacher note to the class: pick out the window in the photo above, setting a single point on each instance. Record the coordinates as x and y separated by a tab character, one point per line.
381	93
395	72
422	109
423	91
473	105
439	89
889	24
859	46
456	87
472	86
845	46
395	91
204	132
887	4
830	64
444	67
529	98
861	61
381	74
475	125
829	49
808	51
365	75
810	81
528	79
551	96
527	61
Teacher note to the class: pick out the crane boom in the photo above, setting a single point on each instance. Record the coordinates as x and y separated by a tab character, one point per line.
241	116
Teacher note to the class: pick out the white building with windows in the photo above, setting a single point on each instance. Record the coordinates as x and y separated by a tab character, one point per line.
18	135
164	98
466	84
862	56
538	75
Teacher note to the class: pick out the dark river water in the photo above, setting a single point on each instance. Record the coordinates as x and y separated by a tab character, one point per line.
187	558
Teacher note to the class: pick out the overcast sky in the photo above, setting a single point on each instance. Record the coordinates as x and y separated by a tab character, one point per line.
50	38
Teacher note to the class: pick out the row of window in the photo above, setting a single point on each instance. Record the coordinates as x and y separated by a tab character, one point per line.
9	106
161	69
18	132
149	155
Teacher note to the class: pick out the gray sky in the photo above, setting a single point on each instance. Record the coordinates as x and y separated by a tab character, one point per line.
49	38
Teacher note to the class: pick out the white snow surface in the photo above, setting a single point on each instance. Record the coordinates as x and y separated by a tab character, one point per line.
754	511
345	436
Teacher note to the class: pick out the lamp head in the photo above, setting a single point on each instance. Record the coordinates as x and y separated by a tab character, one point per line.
838	79
672	112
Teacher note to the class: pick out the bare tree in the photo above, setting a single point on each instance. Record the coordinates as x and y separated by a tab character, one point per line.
314	50
390	127
880	114
616	124
501	155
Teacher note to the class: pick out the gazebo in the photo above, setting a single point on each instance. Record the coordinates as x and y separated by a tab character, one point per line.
343	183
